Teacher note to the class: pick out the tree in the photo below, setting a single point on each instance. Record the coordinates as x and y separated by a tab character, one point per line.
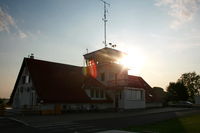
177	91
1	101
158	94
192	82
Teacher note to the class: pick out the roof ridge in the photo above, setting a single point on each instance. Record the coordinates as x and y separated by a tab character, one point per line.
134	76
51	62
103	49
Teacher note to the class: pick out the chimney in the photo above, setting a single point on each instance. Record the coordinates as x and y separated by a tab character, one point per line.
32	56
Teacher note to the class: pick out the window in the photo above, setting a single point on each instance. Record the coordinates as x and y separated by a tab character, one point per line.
115	76
134	94
138	95
111	75
101	93
25	79
28	89
21	89
129	94
120	94
32	98
102	76
97	93
92	92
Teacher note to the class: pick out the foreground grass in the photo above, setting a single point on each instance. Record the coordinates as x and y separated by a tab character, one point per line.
187	124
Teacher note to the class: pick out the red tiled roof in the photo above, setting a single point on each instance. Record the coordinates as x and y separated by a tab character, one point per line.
139	82
136	82
55	82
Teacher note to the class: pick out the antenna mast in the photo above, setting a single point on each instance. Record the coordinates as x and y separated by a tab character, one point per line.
105	20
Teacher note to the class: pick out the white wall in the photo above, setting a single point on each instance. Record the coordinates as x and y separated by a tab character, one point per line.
75	107
25	95
133	103
101	93
47	107
86	106
110	70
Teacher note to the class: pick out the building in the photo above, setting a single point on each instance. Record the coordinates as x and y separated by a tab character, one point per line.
102	84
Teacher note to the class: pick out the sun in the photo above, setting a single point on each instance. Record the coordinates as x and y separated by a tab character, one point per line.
134	61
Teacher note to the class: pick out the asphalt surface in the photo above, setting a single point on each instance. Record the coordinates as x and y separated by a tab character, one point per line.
8	125
11	126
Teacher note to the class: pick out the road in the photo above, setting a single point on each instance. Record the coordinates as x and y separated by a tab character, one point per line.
94	125
11	126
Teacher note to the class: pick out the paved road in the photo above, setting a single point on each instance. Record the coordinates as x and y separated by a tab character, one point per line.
43	120
95	125
12	126
72	127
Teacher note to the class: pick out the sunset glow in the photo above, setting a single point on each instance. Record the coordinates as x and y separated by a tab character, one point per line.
134	61
161	38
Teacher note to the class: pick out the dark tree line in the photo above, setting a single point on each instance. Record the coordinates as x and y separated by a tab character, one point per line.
159	94
1	101
187	86
177	91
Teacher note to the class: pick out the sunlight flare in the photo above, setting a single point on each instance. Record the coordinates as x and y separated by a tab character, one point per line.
134	61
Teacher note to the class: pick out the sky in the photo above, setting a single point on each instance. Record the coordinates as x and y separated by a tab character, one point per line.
162	37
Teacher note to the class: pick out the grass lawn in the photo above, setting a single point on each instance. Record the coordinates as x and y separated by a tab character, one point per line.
187	124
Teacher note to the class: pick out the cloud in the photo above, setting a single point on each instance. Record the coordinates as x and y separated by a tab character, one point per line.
7	21
22	35
182	11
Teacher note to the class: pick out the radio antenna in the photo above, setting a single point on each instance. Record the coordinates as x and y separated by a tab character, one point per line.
105	20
